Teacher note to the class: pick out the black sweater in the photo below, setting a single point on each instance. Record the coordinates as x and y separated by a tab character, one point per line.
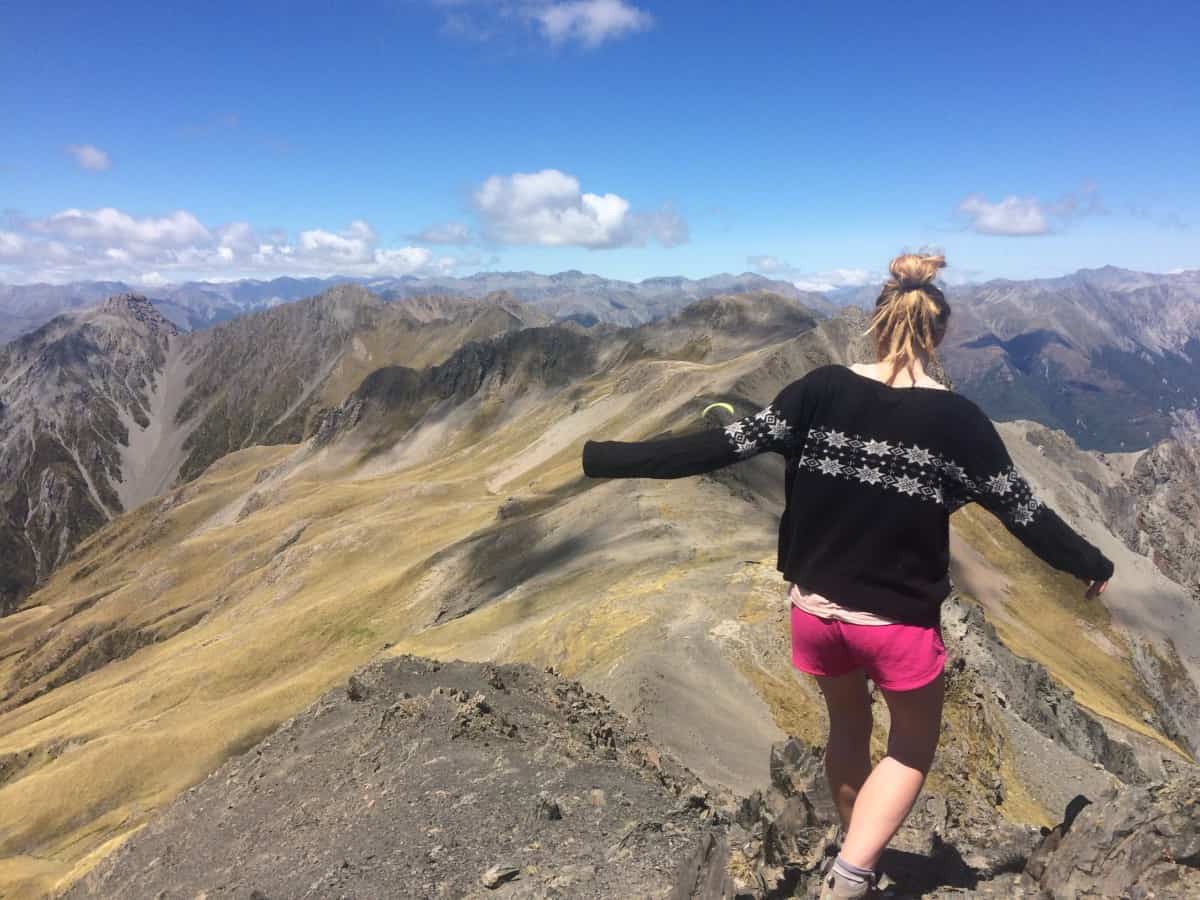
872	475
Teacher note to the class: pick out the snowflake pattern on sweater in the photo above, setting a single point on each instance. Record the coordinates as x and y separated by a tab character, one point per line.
907	469
765	430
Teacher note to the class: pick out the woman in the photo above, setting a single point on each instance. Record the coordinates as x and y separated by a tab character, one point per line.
877	458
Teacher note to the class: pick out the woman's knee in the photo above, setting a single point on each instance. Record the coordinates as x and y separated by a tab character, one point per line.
916	725
914	751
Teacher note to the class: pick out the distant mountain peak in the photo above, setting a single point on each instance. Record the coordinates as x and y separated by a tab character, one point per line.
126	303
138	308
350	293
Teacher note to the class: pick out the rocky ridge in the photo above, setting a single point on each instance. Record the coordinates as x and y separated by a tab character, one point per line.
427	779
392	399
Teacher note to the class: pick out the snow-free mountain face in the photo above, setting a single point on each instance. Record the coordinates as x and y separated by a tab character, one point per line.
26	307
107	408
73	395
1107	355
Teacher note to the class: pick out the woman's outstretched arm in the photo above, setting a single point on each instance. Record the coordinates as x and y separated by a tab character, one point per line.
777	427
994	482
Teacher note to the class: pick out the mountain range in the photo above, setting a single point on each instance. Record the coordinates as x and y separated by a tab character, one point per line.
1108	355
566	295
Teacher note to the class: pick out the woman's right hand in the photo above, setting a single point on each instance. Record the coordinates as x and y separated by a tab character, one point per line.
1095	589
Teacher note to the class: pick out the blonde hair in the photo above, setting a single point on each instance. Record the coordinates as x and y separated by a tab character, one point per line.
911	313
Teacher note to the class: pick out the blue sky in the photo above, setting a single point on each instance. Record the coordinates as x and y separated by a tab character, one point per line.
625	137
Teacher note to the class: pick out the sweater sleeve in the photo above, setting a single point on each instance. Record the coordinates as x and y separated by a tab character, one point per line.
994	482
780	425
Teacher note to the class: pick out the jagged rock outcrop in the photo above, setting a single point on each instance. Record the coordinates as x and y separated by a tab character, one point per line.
1025	689
1131	841
1165	486
1135	842
1173	690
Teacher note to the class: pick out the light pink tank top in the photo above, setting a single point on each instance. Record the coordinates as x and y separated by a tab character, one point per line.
827	609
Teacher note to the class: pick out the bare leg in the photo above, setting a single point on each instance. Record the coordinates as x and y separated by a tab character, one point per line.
848	750
886	798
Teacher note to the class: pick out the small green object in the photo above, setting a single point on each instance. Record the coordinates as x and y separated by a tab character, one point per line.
715	405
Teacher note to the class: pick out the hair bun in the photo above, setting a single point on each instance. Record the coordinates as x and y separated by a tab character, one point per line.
911	272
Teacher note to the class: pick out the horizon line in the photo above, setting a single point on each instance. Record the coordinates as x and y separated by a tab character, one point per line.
367	279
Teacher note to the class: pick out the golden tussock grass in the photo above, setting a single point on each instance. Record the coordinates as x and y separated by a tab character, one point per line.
1045	617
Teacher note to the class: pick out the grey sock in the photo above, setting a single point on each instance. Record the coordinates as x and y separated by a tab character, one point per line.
853	873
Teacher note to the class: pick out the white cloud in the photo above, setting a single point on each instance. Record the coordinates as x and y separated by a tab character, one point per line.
1013	215
587	23
107	243
237	237
88	156
549	209
354	245
811	281
444	233
590	22
833	279
11	244
111	225
767	265
1026	216
405	260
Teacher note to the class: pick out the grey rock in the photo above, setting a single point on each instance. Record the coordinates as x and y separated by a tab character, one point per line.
1138	841
547	808
498	874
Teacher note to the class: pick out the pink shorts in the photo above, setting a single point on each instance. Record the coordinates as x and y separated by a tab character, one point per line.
895	657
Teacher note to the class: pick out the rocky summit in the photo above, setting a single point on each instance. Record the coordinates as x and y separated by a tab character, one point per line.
433	779
427	779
